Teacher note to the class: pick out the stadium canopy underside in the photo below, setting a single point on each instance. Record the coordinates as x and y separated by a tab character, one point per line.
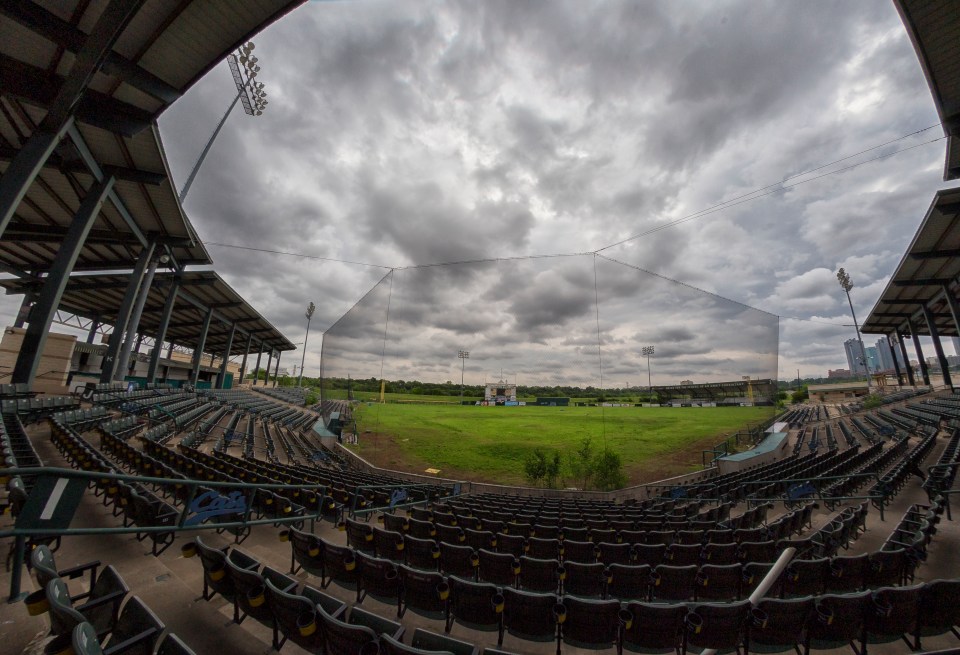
934	29
85	183
921	298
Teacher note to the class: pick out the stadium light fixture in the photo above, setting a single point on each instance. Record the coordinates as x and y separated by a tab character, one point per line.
310	309
464	355
647	351
846	284
250	93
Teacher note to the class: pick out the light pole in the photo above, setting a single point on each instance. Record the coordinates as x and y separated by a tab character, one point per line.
647	351
310	309
249	92
464	355
846	284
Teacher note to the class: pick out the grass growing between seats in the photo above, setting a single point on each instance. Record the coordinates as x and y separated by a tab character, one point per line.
489	444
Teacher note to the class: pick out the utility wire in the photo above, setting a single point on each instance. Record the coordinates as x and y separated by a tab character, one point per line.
297	254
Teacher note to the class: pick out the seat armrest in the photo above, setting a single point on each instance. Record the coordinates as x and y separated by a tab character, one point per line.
113	597
127	644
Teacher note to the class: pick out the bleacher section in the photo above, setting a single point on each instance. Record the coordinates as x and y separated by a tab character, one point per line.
474	570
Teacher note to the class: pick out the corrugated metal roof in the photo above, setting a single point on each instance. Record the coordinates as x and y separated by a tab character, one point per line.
931	262
934	29
100	295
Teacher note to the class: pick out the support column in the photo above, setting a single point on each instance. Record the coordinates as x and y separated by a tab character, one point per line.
94	326
916	345
937	346
276	371
198	352
906	358
954	307
266	377
896	362
222	378
41	316
111	359
256	371
162	330
23	316
243	364
134	323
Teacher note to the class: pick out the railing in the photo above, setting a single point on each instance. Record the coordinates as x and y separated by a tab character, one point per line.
204	507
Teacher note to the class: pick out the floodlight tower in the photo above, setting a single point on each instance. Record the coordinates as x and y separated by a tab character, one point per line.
249	92
464	355
846	284
310	309
647	351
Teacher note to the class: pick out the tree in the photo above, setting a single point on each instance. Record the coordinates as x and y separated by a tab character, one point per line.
535	466
581	463
608	471
552	472
872	401
800	395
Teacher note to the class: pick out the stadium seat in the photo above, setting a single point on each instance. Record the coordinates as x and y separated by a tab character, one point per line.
938	610
250	597
342	637
753	575
628	582
885	568
778	625
615	553
893	615
498	568
296	617
579	551
719	582
306	553
421	553
339	564
673	583
654	628
421	529
424	592
376	577
531	616
585	580
594	624
758	551
649	554
451	534
543	548
720	626
395	523
478	539
388	544
360	536
476	605
102	612
837	620
720	553
804	577
458	560
45	568
514	544
541	575
847	573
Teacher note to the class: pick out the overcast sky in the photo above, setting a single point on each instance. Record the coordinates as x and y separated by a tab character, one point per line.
409	133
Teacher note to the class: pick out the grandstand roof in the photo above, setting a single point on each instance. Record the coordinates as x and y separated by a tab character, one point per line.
934	29
162	51
932	262
99	296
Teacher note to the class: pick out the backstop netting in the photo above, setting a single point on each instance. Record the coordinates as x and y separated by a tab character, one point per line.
572	325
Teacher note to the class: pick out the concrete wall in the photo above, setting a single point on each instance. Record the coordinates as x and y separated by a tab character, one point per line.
54	362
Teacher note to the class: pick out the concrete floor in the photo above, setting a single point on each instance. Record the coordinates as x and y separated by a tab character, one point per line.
171	585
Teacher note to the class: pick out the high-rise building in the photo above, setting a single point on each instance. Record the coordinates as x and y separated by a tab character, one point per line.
873	359
856	358
956	345
886	360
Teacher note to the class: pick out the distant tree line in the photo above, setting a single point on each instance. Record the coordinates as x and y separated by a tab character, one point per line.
416	387
586	467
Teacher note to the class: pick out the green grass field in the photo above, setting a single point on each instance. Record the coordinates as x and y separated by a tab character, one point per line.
490	443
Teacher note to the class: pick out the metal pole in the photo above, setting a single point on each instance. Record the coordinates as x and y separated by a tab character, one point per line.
310	309
206	148
856	326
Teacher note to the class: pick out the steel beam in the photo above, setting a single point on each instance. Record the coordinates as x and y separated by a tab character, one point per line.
937	346
276	371
24	168
246	353
906	358
222	378
134	324
256	371
35	338
266	377
916	345
111	359
162	330
896	362
198	351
